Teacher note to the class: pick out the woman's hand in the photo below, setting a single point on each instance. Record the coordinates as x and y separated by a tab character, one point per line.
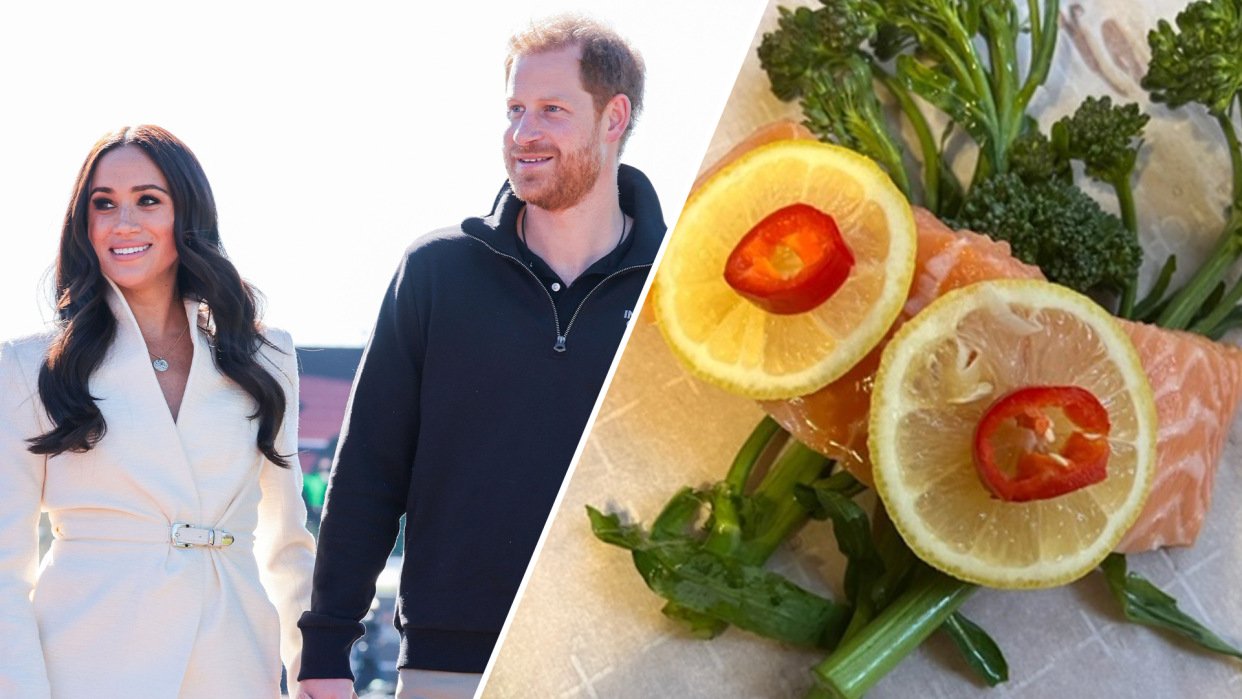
326	689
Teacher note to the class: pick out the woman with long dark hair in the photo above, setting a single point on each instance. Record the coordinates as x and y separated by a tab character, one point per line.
157	426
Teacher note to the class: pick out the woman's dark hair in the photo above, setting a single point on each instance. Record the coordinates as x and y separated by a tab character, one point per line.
204	274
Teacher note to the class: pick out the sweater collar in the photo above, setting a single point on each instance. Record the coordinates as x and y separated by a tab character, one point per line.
638	200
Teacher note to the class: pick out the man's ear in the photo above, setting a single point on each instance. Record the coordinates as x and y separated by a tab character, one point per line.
616	118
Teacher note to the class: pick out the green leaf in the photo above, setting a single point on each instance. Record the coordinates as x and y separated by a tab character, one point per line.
674	522
699	625
900	562
830	499
1231	321
702	586
900	568
610	530
1149	302
678	515
748	597
980	651
1218	292
729	507
1143	603
852	529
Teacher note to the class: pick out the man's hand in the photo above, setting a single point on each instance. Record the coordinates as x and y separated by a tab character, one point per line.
326	689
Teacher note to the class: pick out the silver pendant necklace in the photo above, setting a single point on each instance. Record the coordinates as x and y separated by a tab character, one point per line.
160	363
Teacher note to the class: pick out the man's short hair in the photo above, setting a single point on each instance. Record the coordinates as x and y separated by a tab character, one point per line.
610	66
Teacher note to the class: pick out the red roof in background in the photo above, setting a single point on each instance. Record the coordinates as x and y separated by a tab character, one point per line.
322	402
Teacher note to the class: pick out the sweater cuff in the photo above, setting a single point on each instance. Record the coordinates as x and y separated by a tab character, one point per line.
326	641
446	651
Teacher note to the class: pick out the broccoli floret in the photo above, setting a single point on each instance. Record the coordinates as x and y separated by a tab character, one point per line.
1033	159
1104	137
1107	138
1055	226
809	43
1202	63
842	107
816	55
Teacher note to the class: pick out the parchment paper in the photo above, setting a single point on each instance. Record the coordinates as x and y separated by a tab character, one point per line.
587	626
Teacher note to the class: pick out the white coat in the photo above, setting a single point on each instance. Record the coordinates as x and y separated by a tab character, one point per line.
115	610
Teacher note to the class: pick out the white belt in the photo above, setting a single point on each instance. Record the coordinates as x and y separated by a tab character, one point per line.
185	536
97	525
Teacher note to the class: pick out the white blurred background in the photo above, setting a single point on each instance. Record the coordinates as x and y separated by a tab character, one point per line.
333	135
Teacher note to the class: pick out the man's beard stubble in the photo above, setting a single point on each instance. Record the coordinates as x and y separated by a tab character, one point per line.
573	176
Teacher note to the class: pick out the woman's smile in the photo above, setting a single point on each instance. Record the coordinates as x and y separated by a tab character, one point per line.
132	252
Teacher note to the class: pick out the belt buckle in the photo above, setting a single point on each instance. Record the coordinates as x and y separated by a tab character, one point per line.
177	527
202	536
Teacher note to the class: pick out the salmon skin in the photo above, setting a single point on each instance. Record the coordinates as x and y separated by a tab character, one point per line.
1197	382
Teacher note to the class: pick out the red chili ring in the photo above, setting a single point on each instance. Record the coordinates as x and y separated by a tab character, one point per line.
824	260
1082	461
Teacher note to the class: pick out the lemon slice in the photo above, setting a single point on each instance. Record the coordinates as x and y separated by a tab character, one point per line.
725	339
944	370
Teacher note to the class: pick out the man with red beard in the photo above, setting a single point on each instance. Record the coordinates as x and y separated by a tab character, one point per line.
490	350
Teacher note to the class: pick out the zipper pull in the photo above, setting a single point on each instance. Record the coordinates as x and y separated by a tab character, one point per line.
560	343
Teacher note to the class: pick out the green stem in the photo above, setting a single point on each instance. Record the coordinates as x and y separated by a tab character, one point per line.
726	534
979	78
922	130
1186	303
1129	217
748	455
863	660
1043	46
842	482
1183	306
1125	198
983	170
798	465
1032	9
1235	158
864	610
1208	324
897	170
1001	44
940	47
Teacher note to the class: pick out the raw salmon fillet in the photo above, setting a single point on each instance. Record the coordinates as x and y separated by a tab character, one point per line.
1197	383
833	420
780	130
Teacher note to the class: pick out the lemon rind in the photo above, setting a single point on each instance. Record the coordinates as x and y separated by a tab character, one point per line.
883	420
900	268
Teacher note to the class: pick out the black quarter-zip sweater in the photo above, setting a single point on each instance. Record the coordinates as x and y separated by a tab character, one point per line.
471	399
